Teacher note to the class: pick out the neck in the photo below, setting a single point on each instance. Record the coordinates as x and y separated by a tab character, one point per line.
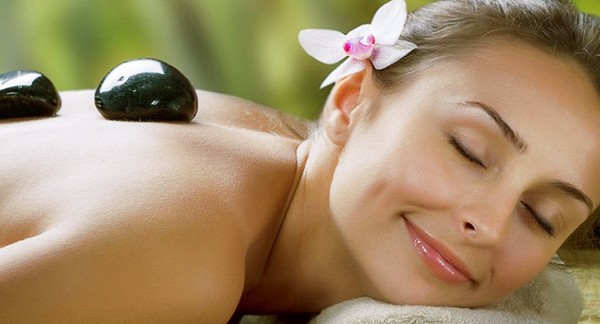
309	267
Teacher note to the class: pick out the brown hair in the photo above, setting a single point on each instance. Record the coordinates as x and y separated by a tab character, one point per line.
448	27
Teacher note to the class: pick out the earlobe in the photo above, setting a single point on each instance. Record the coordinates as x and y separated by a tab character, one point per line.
339	115
336	126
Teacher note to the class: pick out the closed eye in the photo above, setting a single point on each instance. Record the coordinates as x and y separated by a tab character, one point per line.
539	221
459	147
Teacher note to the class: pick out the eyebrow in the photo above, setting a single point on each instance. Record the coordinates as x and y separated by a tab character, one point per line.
570	190
509	134
517	141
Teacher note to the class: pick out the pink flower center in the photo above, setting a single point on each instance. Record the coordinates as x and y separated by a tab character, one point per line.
360	48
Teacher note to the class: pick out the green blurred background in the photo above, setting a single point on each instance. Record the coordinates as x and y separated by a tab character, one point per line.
247	48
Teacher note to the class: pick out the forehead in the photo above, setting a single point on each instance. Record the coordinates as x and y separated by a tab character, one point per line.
547	99
524	82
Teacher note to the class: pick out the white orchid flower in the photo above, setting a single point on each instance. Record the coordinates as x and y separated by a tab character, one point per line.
377	42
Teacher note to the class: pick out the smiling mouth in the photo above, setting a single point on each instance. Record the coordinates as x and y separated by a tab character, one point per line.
442	263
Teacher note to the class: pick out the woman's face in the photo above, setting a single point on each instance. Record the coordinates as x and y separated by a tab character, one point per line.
467	180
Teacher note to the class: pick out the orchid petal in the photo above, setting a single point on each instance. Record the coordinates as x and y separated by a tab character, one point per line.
377	42
385	56
360	31
323	44
389	21
349	67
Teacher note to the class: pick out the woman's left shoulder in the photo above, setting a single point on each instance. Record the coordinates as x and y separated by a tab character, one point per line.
242	113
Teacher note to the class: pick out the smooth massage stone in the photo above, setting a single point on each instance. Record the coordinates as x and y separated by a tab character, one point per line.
146	90
27	94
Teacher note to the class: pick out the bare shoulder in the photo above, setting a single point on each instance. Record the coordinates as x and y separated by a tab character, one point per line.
220	108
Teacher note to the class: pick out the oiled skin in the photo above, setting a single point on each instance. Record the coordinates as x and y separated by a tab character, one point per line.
104	221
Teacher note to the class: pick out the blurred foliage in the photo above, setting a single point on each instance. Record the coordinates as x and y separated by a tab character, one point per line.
247	48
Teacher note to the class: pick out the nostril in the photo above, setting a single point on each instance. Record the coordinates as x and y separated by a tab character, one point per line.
469	227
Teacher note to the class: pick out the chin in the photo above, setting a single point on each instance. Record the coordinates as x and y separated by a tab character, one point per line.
436	296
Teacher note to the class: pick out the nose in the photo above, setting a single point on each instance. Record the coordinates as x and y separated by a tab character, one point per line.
486	222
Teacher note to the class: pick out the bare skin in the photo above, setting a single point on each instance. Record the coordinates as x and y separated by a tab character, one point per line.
388	207
426	201
140	222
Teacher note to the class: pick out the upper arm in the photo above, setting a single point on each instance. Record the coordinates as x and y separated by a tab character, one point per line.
121	274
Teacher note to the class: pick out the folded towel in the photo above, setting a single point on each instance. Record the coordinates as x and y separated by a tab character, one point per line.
552	297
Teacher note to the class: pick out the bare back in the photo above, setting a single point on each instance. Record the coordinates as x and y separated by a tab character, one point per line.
140	221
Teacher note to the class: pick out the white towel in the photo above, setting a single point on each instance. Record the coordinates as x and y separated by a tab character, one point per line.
552	297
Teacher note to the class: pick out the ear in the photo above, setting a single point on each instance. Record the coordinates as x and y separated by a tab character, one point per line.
349	98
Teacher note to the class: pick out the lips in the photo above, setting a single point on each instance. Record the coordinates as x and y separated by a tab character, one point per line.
441	261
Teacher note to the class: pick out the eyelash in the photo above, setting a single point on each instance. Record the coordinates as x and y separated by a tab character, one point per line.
539	221
464	152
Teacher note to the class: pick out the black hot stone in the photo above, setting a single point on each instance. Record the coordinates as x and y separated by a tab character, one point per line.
27	94
146	90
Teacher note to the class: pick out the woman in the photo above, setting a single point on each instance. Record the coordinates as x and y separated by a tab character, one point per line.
450	177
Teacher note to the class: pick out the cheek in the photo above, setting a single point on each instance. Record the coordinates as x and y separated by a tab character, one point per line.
356	191
372	185
382	173
530	261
